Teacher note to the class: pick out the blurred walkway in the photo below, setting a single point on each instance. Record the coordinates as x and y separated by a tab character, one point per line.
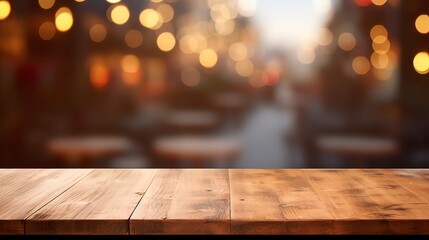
263	139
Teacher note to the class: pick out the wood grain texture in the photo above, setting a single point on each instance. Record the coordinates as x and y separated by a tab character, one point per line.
369	202
214	201
276	202
184	202
415	180
101	203
24	191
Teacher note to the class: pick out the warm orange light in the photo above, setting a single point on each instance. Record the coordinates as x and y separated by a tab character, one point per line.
378	33
422	24
5	9
130	63
225	28
421	62
347	41
188	44
381	48
133	38
361	65
325	37
99	75
244	68
45	4
208	58
379	2
63	19
119	14
380	61
166	41
238	51
151	19
270	76
166	11
98	33
47	30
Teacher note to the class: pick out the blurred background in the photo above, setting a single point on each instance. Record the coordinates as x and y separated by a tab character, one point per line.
214	83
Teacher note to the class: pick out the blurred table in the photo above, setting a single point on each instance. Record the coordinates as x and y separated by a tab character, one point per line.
191	119
75	150
357	147
214	201
229	100
198	150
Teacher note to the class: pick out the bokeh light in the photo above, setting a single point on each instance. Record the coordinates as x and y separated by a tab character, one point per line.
5	9
166	41
247	8
119	14
188	44
381	48
208	58
238	51
270	76
99	75
47	30
150	18
325	37
421	62
130	63
379	2
133	38
347	41
422	24
361	65
379	61
244	68
166	11
378	33
46	4
98	33
306	55
63	19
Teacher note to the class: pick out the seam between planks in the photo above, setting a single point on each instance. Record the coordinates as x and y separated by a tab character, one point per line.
144	194
230	201
26	218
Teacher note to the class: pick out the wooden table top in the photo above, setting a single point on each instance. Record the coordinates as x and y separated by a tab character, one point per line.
214	201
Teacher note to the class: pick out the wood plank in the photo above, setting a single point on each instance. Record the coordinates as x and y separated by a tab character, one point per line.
275	202
415	180
101	203
24	191
369	202
184	202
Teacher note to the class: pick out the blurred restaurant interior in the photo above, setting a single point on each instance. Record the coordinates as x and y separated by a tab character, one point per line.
214	83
